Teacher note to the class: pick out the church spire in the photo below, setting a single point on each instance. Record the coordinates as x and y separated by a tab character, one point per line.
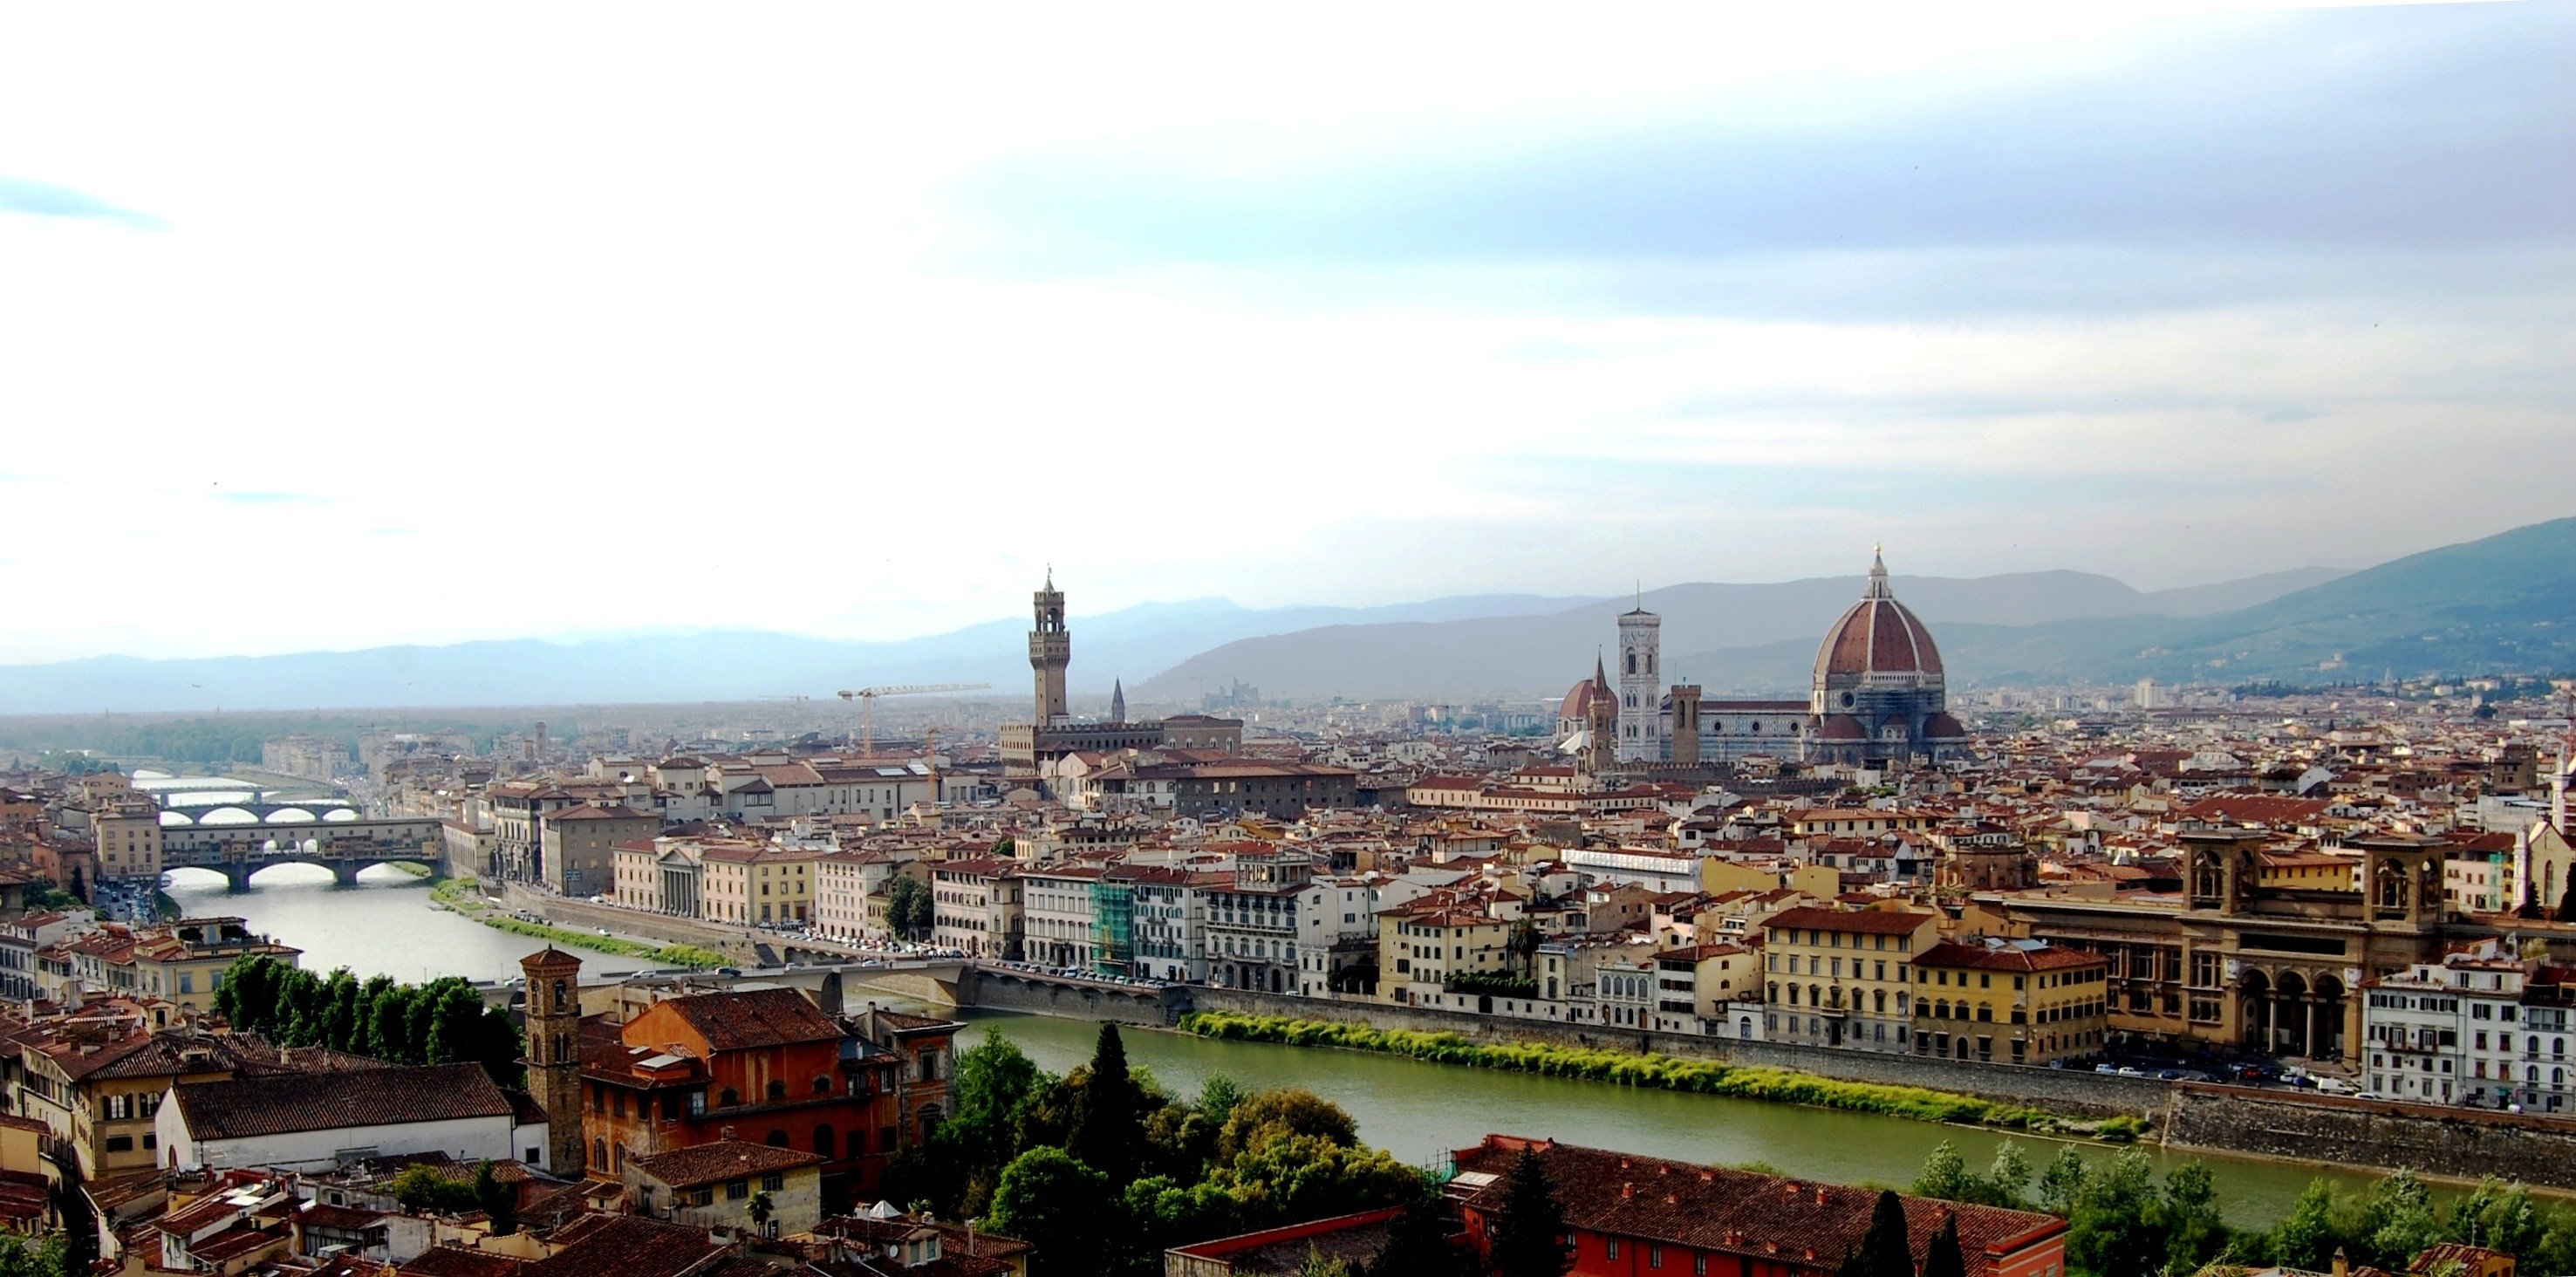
1878	574
1600	672
1118	700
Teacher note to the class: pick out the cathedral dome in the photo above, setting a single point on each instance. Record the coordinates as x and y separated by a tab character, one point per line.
1877	636
1942	726
1578	700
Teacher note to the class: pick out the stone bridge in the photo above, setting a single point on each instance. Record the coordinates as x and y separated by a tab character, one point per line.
262	812
342	859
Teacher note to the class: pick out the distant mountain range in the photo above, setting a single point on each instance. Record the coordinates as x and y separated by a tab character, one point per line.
722	665
1723	636
2506	603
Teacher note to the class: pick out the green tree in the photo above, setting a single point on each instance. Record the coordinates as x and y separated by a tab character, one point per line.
2009	1173
1942	1256
1417	1241
497	1200
1295	1111
2307	1237
2194	1232
1529	1240
1048	1198
1108	1123
2399	1220
2063	1182
1884	1250
2567	901
389	1027
1217	1097
422	1188
761	1206
32	1257
1945	1175
2117	1228
911	910
2500	1217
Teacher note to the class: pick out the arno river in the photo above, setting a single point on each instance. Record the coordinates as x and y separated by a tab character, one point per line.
1412	1109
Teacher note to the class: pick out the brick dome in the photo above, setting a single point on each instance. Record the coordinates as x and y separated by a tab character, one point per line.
1877	636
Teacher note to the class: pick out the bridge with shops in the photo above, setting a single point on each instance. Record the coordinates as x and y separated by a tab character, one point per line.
345	847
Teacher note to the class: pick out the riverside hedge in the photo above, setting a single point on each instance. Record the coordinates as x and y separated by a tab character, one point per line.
1626	1068
459	894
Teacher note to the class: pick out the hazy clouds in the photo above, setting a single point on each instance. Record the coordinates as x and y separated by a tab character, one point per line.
850	322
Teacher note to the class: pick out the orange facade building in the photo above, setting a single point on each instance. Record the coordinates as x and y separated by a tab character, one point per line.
768	1067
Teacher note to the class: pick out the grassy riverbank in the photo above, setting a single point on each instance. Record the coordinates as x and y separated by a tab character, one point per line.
463	896
1658	1072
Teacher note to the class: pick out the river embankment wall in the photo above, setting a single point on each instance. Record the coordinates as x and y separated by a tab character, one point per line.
2081	1094
1004	990
732	942
2457	1143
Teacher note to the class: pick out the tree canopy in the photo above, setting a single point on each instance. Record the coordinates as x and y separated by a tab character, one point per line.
1150	1171
442	1022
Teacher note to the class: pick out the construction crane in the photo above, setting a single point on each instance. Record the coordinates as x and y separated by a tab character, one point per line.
867	698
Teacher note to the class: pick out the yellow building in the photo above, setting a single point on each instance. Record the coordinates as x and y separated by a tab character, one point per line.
1418	952
1842	977
786	878
129	839
725	883
2311	871
184	961
753	885
2023	1003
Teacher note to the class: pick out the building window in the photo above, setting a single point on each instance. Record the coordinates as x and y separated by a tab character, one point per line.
736	1190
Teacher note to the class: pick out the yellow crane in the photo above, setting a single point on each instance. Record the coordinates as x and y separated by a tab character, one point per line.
867	699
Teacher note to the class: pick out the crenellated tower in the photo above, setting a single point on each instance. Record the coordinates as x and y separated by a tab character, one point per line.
1050	651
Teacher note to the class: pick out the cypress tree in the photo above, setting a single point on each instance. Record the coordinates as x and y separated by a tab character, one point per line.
1943	1258
1109	1123
1883	1250
1529	1240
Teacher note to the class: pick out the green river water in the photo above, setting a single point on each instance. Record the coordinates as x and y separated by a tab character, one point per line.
1418	1111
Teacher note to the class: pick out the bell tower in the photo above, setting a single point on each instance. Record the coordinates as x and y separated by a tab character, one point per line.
1641	701
554	1053
1050	651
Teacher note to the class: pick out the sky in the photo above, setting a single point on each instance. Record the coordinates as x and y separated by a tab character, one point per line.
332	326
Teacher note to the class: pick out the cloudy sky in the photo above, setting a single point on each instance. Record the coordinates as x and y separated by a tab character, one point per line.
334	326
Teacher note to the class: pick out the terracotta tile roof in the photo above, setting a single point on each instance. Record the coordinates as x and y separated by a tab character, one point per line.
1951	953
458	1261
1863	921
754	1018
1739	1212
315	1102
623	1246
720	1161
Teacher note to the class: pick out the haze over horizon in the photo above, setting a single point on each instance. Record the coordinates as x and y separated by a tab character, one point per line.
840	323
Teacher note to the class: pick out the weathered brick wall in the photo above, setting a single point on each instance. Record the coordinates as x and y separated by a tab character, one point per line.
2080	1093
2460	1143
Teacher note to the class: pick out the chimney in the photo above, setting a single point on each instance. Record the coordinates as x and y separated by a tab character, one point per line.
724	1133
1820	1194
2342	1266
1627	1190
